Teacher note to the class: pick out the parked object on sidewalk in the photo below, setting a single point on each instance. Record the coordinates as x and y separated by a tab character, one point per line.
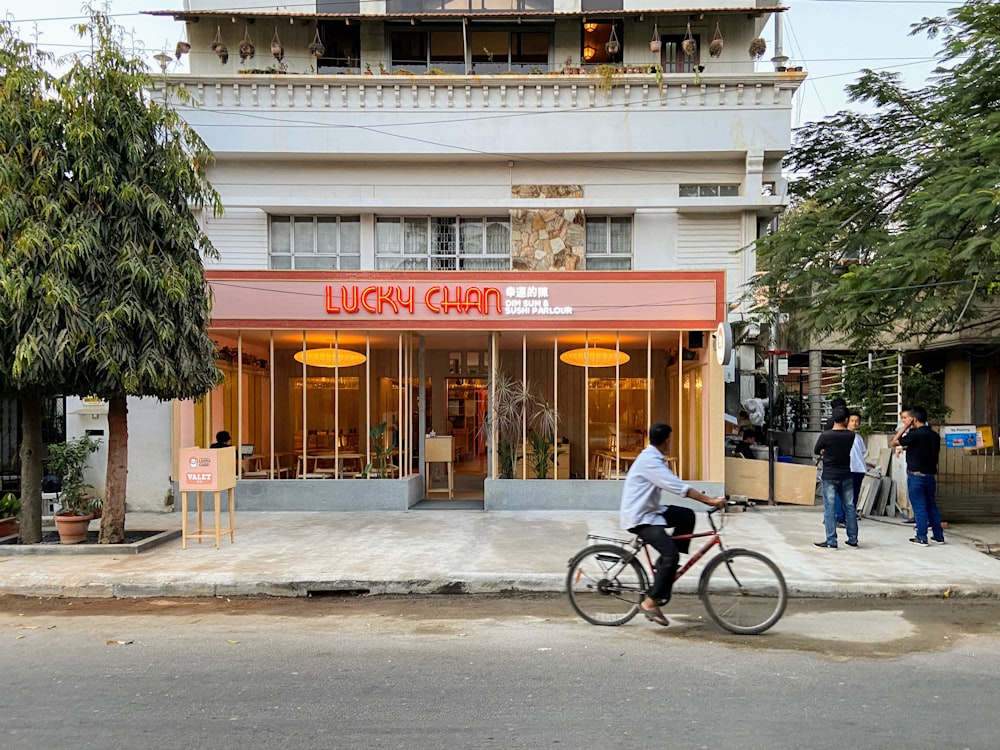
67	461
10	508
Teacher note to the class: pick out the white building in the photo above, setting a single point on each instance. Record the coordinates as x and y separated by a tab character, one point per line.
448	188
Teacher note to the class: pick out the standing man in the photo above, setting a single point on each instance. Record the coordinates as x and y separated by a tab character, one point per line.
859	464
922	446
643	515
835	447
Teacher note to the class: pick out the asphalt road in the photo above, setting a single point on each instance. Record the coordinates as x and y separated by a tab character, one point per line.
471	672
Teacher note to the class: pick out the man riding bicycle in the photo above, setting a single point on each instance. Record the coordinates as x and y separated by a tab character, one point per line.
643	515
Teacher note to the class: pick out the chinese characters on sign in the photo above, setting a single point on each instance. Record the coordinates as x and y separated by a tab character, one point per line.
439	299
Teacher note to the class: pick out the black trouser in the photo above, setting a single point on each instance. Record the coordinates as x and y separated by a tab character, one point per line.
682	521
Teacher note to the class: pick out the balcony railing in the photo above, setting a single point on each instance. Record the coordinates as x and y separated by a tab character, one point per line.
538	91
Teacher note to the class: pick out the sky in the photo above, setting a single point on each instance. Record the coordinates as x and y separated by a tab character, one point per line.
831	39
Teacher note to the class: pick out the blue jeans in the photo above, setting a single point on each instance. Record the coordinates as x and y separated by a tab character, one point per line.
857	478
844	488
925	510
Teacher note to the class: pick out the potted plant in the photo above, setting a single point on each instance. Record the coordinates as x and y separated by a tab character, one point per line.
382	448
10	507
514	402
68	460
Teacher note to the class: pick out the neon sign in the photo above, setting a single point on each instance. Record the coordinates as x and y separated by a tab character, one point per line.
379	299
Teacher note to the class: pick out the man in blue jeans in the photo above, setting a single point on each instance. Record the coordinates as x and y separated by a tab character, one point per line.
922	446
835	447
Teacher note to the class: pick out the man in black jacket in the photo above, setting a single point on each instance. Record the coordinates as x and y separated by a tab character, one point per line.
922	446
835	448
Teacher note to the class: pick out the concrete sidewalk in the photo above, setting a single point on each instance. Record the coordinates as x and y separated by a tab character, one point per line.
453	551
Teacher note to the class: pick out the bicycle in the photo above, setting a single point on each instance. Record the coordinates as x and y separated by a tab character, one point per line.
743	591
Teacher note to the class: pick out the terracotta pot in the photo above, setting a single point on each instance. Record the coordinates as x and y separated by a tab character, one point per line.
72	529
9	527
655	45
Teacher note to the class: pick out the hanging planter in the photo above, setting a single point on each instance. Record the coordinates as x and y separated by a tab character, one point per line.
757	48
612	46
655	44
317	48
715	46
221	51
276	49
247	50
182	48
689	45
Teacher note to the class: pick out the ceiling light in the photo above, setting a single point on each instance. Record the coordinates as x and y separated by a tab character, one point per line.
330	357
594	356
590	27
589	52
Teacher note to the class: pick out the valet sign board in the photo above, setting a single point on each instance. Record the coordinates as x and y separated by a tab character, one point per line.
206	469
960	436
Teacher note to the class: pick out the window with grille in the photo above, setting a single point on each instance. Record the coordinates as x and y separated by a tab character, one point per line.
442	243
313	243
709	191
609	243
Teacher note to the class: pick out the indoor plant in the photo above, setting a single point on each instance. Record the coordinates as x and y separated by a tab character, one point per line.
512	402
68	460
382	448
10	507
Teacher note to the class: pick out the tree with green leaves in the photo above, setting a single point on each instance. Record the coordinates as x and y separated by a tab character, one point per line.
102	287
894	231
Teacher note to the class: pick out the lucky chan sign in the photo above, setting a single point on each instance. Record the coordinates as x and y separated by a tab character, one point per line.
653	300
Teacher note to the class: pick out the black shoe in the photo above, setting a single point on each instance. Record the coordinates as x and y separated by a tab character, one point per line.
938	541
918	540
852	544
841	524
824	545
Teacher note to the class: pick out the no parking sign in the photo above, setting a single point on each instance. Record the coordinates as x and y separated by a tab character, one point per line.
960	436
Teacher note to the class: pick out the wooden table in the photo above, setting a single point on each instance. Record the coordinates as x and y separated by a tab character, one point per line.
258	466
322	472
612	466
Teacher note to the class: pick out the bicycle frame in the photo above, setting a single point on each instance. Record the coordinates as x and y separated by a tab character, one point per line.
636	544
715	541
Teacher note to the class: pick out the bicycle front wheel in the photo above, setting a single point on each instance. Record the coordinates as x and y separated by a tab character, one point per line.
743	591
606	584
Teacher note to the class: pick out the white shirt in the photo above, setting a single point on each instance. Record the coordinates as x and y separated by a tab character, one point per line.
641	494
858	465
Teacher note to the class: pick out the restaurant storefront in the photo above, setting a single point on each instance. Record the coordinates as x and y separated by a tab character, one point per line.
545	383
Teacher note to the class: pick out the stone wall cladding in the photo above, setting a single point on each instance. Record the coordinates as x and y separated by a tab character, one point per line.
547	239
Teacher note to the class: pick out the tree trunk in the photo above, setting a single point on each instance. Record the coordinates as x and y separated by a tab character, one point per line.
31	469
113	518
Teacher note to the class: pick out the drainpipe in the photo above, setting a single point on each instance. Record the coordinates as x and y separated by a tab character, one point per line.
780	59
465	43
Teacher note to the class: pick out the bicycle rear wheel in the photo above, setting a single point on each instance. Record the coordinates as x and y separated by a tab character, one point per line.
743	591
606	584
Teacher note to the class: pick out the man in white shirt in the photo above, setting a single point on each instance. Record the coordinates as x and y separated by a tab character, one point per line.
644	515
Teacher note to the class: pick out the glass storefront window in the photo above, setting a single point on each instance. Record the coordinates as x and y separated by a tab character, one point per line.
311	421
